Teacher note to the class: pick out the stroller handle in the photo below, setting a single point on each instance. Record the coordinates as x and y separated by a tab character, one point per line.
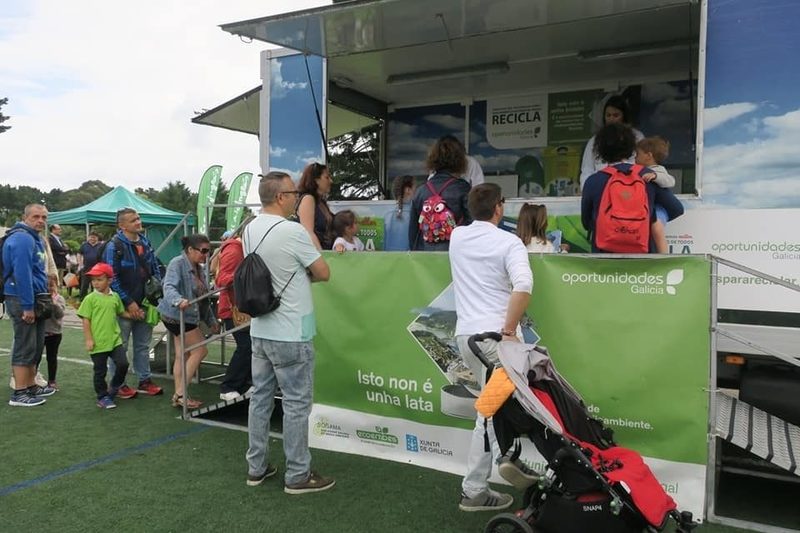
473	341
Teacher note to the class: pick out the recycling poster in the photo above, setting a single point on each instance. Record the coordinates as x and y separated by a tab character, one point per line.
631	335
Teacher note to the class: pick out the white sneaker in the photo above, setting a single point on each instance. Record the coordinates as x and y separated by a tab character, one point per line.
250	390
229	396
39	380
486	501
520	475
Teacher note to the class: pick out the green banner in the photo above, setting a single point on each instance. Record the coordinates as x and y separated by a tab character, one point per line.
237	197
206	195
631	335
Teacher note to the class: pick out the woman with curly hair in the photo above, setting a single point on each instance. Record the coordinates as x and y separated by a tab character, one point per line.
447	160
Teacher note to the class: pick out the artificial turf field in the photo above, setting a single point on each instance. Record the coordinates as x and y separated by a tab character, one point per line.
69	466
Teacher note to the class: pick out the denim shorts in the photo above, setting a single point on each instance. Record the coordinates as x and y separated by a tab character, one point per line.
28	340
661	215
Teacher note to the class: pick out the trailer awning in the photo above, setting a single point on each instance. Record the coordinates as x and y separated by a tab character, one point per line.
242	114
238	114
407	51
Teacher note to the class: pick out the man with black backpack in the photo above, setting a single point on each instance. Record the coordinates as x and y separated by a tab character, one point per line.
134	262
283	351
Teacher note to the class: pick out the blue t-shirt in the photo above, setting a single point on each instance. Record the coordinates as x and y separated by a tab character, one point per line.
90	254
395	229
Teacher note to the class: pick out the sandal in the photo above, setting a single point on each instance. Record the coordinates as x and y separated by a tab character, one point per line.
178	401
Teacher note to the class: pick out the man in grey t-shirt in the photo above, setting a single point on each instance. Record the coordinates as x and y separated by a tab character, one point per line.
283	352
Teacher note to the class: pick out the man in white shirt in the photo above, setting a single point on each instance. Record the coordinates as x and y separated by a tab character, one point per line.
492	281
283	352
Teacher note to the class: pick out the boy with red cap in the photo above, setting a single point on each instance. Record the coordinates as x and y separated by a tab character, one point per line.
99	311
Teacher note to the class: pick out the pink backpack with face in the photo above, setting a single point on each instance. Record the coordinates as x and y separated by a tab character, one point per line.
436	221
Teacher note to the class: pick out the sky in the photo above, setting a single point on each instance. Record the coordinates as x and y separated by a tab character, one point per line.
752	116
107	90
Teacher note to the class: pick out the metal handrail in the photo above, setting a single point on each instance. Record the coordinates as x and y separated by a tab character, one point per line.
184	349
756	273
791	359
180	223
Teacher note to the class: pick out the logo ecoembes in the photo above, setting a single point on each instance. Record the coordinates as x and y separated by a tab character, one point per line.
380	436
644	283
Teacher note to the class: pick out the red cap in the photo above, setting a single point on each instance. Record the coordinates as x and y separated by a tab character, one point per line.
101	269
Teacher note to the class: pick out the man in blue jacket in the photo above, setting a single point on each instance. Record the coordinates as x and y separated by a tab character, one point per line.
130	255
25	276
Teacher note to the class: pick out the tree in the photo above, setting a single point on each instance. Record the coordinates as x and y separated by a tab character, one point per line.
354	165
3	118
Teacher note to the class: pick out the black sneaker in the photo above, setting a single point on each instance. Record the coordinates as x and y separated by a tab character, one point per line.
254	481
314	483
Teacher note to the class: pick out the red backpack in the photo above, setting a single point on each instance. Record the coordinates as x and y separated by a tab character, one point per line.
623	219
436	221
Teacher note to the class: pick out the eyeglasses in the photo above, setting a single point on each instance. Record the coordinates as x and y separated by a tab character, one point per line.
291	192
502	200
202	250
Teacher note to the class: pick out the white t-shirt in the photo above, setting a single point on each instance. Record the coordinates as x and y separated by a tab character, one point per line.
474	175
538	247
487	265
355	246
286	250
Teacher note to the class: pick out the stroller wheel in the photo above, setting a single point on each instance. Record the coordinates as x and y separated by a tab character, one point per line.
508	523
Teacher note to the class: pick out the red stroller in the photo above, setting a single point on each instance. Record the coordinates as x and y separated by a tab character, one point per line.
591	484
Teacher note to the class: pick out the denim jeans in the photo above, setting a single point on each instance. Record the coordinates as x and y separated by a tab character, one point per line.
142	335
289	365
237	376
28	341
479	461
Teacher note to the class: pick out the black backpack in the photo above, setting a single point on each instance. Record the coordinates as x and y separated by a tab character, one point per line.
2	266
153	288
253	292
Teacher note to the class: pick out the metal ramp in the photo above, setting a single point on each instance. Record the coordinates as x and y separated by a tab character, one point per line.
758	432
230	414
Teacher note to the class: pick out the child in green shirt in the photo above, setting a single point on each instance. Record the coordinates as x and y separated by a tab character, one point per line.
99	311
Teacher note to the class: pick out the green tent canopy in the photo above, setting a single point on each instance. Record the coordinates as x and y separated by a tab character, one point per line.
104	211
158	221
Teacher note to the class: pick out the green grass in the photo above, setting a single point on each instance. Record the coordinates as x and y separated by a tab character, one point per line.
196	482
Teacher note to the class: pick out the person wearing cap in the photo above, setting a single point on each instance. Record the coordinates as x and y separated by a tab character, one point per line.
238	376
134	262
101	331
213	263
